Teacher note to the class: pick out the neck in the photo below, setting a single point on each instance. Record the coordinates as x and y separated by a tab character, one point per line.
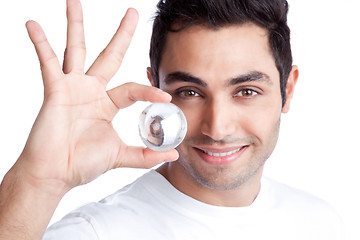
241	196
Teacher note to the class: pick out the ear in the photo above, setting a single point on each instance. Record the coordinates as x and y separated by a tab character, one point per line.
290	87
148	71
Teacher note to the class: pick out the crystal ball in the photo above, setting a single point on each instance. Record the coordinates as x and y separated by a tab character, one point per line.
162	126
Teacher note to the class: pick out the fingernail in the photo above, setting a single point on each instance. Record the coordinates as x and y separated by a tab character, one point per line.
164	93
174	156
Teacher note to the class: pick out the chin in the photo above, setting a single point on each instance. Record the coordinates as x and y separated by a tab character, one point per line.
221	178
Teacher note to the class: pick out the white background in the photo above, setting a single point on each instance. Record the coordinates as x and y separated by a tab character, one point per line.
318	149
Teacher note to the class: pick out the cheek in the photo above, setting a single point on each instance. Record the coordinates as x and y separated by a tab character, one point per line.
193	119
263	121
259	118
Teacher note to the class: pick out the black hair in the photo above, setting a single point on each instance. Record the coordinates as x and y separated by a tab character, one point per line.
176	15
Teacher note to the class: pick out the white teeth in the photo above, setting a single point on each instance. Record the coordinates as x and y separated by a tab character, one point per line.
223	154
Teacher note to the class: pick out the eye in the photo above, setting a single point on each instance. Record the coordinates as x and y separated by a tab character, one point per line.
247	93
188	93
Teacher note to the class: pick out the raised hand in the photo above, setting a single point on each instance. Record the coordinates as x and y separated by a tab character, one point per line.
72	141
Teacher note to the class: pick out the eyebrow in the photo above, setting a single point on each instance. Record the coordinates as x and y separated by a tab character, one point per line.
250	77
242	78
183	77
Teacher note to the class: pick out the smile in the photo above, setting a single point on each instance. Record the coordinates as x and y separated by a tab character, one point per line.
222	154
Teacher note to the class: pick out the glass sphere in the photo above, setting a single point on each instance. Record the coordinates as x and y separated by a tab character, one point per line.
162	126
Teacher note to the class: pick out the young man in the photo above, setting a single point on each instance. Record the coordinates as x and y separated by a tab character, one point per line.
227	65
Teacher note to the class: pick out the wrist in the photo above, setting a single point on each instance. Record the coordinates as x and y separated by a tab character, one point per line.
21	176
27	204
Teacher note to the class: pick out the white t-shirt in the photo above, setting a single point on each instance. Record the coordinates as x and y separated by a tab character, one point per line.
151	208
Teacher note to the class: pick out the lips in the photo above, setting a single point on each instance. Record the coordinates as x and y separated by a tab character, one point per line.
220	156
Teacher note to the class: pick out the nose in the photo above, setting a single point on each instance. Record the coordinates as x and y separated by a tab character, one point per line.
219	120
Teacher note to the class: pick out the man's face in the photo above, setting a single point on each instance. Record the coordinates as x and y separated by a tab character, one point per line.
226	83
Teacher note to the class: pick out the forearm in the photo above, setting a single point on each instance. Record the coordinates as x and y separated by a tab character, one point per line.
26	206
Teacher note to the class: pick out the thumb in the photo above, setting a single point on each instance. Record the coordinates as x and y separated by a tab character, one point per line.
139	157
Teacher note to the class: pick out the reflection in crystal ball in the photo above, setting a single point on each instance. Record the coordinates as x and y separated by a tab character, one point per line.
162	126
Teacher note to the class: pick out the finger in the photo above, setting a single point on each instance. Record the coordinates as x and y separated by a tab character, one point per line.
138	157
128	93
75	52
109	60
49	63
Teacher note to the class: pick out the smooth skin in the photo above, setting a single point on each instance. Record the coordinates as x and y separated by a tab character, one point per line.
72	141
227	84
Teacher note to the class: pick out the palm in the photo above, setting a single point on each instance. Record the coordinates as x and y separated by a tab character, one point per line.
73	140
80	106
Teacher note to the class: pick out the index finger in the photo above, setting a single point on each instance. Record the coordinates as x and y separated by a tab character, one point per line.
110	59
128	93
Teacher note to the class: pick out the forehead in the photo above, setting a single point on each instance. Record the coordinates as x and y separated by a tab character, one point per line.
213	54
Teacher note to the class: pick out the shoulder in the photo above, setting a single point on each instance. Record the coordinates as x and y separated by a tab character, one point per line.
309	216
298	202
284	194
127	199
133	203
